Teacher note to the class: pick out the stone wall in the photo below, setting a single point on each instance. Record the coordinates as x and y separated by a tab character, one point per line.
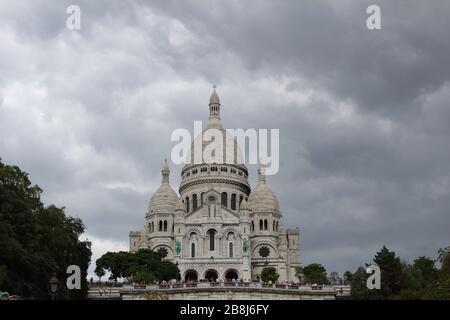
232	293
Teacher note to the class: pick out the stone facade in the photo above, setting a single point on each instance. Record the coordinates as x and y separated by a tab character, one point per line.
217	227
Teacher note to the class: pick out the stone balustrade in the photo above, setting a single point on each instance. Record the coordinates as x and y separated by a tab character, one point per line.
255	285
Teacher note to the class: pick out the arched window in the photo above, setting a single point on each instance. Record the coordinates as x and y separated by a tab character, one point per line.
253	226
224	199
265	224
160	225
165	225
187	204
260	224
233	202
230	245
201	198
277	225
194	202
241	197
192	250
273	226
212	236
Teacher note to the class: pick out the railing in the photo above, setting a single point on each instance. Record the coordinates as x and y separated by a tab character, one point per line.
276	286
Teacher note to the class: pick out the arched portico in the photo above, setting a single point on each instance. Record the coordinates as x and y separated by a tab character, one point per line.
211	275
191	275
231	274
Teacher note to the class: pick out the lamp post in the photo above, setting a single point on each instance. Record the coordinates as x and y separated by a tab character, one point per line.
53	286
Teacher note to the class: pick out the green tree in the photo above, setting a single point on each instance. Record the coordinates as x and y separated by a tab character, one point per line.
348	276
439	289
116	263
427	268
99	272
411	283
359	289
36	241
269	274
143	266
391	271
315	273
444	259
443	254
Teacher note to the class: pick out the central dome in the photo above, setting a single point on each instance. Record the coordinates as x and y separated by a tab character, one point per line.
215	157
205	149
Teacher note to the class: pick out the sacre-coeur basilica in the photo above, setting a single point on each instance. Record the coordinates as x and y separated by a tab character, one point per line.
217	226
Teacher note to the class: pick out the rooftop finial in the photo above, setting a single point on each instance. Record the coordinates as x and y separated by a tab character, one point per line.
214	109
165	172
261	173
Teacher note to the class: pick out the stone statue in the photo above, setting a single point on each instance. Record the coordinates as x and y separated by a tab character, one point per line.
245	246
177	247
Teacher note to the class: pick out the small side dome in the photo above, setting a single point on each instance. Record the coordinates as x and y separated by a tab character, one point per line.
165	198
262	198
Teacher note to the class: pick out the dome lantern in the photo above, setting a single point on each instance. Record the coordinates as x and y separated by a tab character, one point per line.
165	172
214	109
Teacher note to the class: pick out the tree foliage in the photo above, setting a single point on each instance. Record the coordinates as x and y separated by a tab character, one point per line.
144	266
391	271
315	273
359	289
269	274
420	280
36	241
348	276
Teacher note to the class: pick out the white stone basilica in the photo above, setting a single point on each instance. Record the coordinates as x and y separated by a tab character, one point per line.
218	228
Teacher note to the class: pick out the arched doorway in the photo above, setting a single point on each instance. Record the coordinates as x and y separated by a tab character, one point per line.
211	275
231	274
191	276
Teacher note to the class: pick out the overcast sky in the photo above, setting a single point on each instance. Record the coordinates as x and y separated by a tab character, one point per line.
364	115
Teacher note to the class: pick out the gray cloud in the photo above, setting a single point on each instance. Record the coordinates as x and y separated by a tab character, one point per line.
363	115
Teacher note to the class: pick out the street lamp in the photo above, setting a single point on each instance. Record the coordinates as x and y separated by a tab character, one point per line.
53	286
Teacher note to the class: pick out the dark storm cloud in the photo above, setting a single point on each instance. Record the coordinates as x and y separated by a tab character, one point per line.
363	115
